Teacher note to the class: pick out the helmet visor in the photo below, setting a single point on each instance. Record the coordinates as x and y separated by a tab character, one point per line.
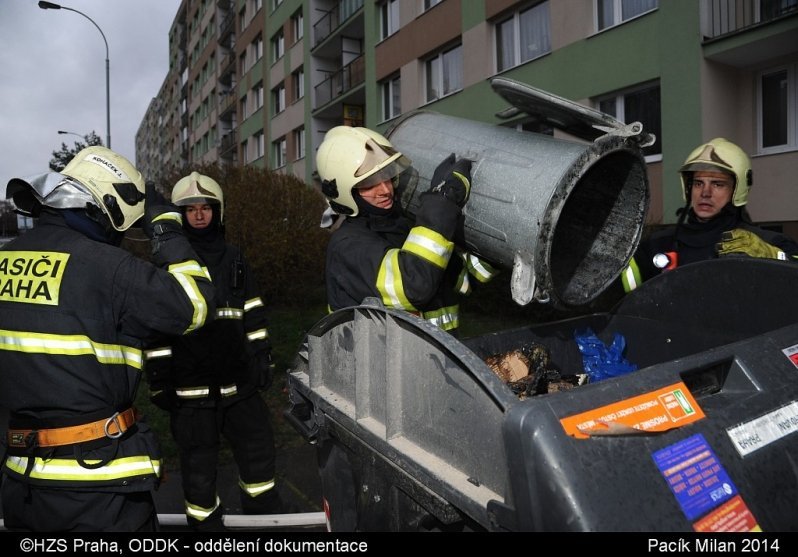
389	172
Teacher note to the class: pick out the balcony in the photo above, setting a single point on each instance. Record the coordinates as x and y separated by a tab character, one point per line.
333	19
227	68
227	104
725	17
348	77
228	143
227	27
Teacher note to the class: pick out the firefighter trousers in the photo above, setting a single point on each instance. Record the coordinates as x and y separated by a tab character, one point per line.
246	426
42	509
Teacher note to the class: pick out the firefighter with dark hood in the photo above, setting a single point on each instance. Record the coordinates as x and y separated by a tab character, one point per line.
75	313
715	180
377	251
210	380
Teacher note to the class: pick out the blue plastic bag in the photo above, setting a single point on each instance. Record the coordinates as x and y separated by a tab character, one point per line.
601	361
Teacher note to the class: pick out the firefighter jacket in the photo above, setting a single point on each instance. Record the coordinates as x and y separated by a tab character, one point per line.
691	242
74	316
221	361
416	268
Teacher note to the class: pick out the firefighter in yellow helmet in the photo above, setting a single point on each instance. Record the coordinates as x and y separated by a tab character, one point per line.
715	180
377	251
75	312
209	381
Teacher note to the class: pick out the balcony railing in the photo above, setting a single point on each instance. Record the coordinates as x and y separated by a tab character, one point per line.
334	18
733	16
351	75
229	142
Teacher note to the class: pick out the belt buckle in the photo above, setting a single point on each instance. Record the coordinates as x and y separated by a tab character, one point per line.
115	420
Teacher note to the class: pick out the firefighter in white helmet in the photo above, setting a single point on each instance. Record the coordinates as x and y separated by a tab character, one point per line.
210	380
75	312
377	251
715	180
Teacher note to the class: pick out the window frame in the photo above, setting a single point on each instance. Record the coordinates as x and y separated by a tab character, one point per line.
299	143
389	10
439	58
278	99
388	89
617	14
791	71
278	45
515	16
279	150
619	98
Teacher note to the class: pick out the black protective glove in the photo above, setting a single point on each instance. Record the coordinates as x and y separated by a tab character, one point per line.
162	220
452	179
264	369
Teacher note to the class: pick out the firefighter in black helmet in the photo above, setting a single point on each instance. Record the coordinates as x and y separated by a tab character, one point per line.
210	380
377	251
75	312
715	180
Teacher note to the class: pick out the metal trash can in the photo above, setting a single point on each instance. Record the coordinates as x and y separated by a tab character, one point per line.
566	216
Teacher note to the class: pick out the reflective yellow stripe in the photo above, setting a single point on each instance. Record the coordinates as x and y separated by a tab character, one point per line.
155	353
228	390
447	318
258	335
229	313
193	392
389	282
184	273
253	490
463	285
482	270
172	215
252	304
69	345
201	513
631	278
429	245
64	469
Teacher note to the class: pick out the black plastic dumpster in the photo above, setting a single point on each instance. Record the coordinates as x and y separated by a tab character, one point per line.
414	431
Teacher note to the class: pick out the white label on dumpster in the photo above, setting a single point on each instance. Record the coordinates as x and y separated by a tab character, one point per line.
764	430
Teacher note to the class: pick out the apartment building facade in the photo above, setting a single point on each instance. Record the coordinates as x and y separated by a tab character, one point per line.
260	81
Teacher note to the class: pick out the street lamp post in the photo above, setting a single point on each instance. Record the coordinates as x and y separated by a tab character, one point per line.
62	132
51	6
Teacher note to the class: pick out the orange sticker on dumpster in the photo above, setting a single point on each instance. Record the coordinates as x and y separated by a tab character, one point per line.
660	410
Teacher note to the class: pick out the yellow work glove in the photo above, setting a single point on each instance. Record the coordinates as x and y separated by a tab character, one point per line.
744	242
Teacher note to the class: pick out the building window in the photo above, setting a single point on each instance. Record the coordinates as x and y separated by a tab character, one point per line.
257	145
255	51
298	25
243	107
298	80
278	45
389	18
777	127
276	4
444	73
430	3
523	36
299	143
391	98
257	97
614	12
278	153
642	105
278	98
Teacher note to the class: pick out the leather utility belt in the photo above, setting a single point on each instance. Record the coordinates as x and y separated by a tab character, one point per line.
112	428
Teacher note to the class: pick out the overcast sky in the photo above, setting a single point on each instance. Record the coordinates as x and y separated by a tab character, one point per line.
52	75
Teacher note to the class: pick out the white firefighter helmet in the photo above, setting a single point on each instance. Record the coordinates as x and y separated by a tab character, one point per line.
350	158
95	176
198	188
720	155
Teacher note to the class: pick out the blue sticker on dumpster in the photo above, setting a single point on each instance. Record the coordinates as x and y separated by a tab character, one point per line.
695	475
